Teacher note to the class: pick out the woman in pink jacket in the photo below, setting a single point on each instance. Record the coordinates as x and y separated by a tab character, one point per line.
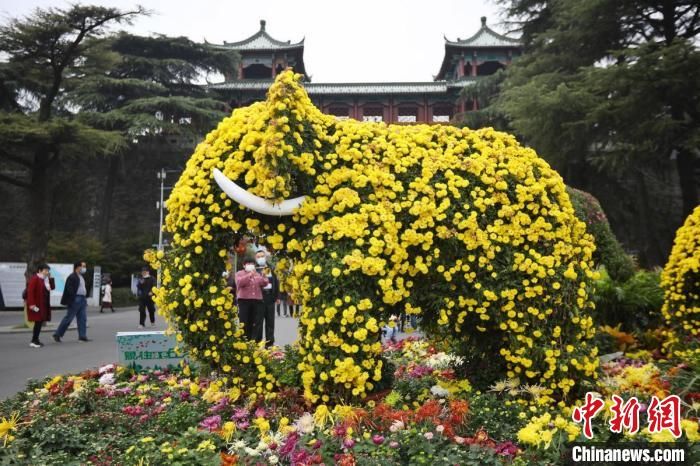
249	284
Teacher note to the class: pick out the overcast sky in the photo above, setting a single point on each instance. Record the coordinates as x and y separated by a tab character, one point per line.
346	41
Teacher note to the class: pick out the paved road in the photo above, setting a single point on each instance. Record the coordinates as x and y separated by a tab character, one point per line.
19	362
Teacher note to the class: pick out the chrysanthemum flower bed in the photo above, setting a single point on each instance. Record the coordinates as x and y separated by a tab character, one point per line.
427	415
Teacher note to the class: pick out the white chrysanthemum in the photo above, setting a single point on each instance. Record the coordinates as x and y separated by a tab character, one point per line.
107	379
238	445
443	361
251	451
107	368
305	424
437	390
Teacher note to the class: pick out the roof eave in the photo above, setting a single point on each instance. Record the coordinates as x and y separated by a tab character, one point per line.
443	66
239	45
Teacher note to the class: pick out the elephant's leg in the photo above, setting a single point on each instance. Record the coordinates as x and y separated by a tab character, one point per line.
340	339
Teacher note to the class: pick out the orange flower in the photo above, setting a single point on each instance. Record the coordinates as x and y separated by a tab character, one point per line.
430	410
384	415
228	460
346	460
624	340
458	411
481	438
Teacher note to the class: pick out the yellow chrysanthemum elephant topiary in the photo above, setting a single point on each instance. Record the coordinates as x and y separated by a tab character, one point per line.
467	229
681	283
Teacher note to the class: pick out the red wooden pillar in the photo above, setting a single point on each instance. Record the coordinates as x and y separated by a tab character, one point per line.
474	63
460	71
426	111
240	70
273	66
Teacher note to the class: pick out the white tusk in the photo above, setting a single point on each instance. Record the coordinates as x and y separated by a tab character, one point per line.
253	202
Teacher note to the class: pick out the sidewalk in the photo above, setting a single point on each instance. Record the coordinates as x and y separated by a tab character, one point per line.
13	321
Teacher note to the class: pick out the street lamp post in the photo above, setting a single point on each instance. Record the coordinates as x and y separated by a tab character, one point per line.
161	176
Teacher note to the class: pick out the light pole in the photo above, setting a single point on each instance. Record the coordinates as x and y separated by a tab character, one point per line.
161	176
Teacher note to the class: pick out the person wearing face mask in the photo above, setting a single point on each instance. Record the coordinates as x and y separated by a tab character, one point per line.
38	304
249	284
145	291
270	293
75	298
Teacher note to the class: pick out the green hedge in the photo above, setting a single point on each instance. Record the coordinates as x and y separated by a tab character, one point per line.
609	252
122	297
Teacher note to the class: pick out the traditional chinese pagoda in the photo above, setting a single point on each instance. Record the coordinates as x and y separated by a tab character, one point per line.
465	61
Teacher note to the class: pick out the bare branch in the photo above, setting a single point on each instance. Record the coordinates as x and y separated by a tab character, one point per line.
14	182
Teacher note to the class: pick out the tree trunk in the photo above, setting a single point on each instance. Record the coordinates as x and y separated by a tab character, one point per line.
38	215
685	161
686	165
112	173
653	249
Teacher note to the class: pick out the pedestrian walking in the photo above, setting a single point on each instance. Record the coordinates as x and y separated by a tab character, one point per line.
249	284
145	294
75	298
107	296
270	292
38	302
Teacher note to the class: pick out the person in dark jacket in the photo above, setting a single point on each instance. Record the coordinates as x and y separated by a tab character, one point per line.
38	302
270	293
145	292
75	298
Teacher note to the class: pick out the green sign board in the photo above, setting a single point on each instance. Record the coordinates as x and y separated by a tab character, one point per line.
147	350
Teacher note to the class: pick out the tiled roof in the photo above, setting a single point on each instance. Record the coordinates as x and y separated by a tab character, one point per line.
376	88
485	37
261	40
428	87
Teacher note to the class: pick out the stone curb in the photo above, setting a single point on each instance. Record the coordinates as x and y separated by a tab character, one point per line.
44	329
50	327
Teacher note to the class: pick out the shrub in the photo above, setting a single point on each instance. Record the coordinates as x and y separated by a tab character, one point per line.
124	257
123	297
609	251
634	304
681	283
68	248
